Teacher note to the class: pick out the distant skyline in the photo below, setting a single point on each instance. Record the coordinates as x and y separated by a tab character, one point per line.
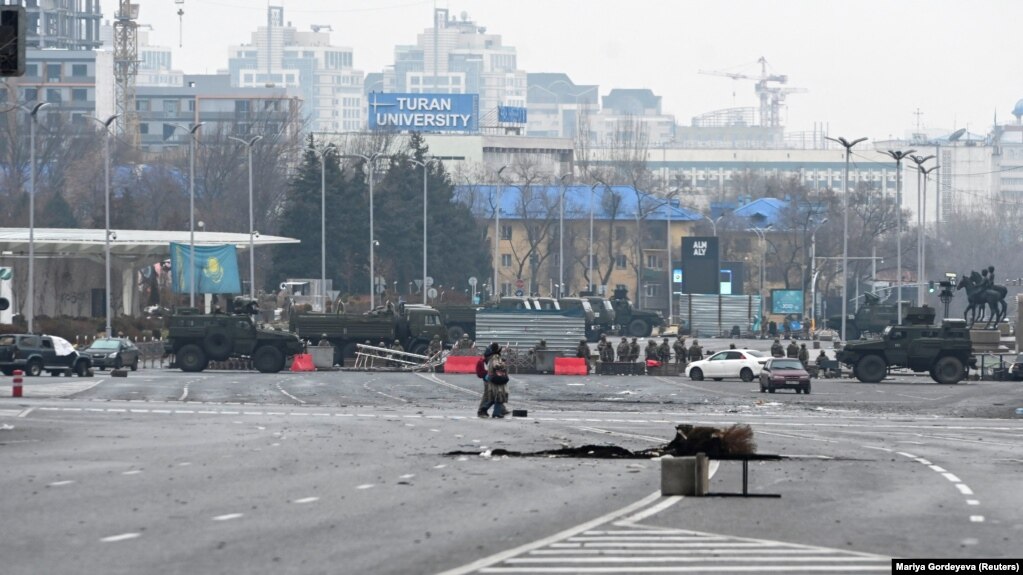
867	66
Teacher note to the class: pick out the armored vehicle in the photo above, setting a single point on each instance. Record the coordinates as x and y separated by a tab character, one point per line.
603	315
943	351
633	322
872	317
195	339
581	306
458	320
413	325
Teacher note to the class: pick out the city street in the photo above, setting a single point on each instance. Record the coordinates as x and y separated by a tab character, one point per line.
348	472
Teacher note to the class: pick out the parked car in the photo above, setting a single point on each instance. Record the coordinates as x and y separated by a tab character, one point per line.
784	373
34	354
1016	369
113	352
744	364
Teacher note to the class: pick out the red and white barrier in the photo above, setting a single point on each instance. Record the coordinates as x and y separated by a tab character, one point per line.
16	389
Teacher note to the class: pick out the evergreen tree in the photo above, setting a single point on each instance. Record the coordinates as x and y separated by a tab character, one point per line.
57	213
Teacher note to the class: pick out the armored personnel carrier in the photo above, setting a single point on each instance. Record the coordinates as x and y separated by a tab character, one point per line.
943	351
195	339
871	318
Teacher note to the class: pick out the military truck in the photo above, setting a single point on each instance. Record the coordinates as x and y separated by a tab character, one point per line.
943	351
196	338
581	306
633	322
872	317
458	320
413	325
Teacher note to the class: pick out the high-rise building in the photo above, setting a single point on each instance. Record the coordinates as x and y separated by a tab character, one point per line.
281	56
67	24
457	56
558	107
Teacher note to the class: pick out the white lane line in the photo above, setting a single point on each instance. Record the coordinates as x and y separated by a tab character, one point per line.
306	500
228	517
977	518
59	483
132	472
281	389
509	553
138	411
923	461
365	486
184	393
972	502
121	537
407	476
161	411
678	559
952	478
904	454
937	468
25	412
964	489
652	510
184	411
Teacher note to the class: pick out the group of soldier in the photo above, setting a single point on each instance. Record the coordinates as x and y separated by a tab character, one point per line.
628	351
793	351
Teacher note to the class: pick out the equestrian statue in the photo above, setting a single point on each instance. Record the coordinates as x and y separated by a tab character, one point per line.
982	291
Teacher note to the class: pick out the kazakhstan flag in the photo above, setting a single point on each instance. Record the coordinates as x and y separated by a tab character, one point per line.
215	269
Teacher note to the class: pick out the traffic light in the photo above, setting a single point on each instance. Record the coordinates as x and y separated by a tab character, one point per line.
930	286
12	40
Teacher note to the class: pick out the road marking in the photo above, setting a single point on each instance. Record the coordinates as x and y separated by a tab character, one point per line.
281	389
306	500
59	483
977	518
365	486
25	412
184	393
937	468
952	478
972	502
909	455
132	472
407	476
121	537
228	517
964	489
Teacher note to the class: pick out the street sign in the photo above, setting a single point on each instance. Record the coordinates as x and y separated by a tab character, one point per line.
432	293
6	273
419	283
520	283
519	293
472	281
381	288
429	281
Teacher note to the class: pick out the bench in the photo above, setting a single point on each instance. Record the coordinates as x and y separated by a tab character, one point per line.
745	459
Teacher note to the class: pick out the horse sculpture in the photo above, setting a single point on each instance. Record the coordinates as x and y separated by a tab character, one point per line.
980	291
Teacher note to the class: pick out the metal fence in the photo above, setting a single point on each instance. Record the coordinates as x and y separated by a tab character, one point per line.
524	330
710	315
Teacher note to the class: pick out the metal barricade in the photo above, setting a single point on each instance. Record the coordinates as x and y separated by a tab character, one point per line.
372	357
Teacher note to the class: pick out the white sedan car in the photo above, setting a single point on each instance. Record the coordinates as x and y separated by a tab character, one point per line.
744	364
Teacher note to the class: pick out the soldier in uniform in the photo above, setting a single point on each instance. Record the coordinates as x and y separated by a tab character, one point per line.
583	350
650	353
601	348
804	355
435	346
396	346
623	350
695	351
608	355
464	344
633	350
680	351
324	342
664	352
792	351
777	350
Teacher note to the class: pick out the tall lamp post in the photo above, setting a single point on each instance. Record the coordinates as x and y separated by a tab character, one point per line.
33	116
106	202
323	154
845	226
923	237
561	235
589	270
714	224
813	274
671	277
371	161
427	160
896	155
762	234
252	242
497	229
192	130
921	216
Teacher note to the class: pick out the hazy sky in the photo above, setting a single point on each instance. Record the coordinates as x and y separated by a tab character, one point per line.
867	65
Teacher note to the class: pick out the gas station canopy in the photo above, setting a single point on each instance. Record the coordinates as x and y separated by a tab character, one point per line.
124	244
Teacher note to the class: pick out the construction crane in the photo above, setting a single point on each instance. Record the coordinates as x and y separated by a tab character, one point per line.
318	27
769	88
126	68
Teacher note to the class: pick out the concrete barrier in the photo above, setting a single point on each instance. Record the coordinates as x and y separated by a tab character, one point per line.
685	475
570	366
461	364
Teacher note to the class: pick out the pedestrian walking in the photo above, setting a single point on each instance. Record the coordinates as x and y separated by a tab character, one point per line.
495	384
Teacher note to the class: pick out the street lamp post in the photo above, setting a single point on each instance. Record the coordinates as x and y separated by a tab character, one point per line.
762	234
923	237
714	224
589	272
497	229
106	202
813	275
671	278
898	155
371	164
33	116
561	235
921	216
322	153
845	227
191	207
252	242
425	164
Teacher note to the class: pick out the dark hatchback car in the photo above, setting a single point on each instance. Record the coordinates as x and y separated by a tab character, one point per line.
784	373
1016	368
114	353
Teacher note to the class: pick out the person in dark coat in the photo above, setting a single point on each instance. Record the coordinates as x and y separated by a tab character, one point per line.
695	351
777	350
651	351
792	351
633	350
664	352
680	351
804	355
623	350
583	350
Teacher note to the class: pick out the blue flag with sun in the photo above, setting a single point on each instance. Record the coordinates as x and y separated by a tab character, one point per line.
215	269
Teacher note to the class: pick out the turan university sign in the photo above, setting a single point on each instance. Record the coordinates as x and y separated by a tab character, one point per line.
424	112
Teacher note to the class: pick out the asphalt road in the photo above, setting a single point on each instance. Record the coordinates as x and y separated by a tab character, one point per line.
343	472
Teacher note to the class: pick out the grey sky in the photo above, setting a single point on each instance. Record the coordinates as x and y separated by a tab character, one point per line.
867	64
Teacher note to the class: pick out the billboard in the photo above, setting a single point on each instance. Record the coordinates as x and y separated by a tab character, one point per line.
700	265
424	112
786	301
511	115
